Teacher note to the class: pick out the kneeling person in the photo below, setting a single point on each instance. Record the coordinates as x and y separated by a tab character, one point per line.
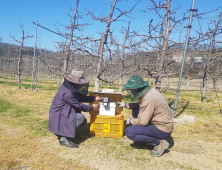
65	112
152	118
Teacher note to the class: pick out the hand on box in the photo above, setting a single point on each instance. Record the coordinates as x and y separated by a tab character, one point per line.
95	106
99	98
120	104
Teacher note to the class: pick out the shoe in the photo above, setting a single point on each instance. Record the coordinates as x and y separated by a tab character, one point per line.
159	149
66	142
170	141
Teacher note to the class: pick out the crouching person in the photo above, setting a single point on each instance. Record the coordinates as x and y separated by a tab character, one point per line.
65	112
152	118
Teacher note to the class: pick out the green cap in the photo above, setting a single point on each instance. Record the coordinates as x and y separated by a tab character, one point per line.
135	82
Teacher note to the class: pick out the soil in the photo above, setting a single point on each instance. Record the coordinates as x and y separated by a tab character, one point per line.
20	150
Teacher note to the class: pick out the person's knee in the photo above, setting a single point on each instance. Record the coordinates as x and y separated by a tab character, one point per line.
80	120
129	132
83	123
80	117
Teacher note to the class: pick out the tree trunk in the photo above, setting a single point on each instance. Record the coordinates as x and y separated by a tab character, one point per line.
20	63
207	67
68	51
6	81
122	59
204	93
168	82
120	83
163	51
101	48
96	84
188	84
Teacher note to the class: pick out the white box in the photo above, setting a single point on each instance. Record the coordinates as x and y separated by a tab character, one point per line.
108	90
108	110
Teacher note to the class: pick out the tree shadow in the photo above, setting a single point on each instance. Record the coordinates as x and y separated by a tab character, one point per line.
138	145
183	108
170	103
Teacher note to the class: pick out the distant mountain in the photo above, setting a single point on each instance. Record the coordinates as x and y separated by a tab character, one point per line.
6	48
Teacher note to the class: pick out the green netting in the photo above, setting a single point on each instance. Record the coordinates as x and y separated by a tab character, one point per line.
136	87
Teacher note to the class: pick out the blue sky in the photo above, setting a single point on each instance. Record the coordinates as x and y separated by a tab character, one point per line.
51	12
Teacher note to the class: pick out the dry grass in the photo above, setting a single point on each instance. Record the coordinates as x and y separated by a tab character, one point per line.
20	149
208	125
26	142
22	145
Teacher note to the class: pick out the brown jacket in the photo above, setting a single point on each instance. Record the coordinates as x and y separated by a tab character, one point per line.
153	109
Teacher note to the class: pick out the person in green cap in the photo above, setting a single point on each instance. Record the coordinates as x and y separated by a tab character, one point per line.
152	117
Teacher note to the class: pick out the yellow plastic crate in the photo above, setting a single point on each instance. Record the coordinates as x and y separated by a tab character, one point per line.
107	126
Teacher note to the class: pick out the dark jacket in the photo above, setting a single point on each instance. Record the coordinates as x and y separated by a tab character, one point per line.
62	114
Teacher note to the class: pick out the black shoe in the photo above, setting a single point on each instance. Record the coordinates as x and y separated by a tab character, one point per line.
170	141
66	142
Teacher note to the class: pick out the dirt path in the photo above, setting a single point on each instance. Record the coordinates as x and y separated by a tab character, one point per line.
18	149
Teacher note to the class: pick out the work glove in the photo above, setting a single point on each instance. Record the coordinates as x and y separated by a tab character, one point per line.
120	104
128	122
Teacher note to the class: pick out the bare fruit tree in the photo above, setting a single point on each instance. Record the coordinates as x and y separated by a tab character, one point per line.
159	34
124	67
103	40
20	60
65	48
211	52
72	28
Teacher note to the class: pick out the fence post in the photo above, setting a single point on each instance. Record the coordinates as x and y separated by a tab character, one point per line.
184	55
33	66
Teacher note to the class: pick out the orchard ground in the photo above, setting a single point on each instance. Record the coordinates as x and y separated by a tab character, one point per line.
26	143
